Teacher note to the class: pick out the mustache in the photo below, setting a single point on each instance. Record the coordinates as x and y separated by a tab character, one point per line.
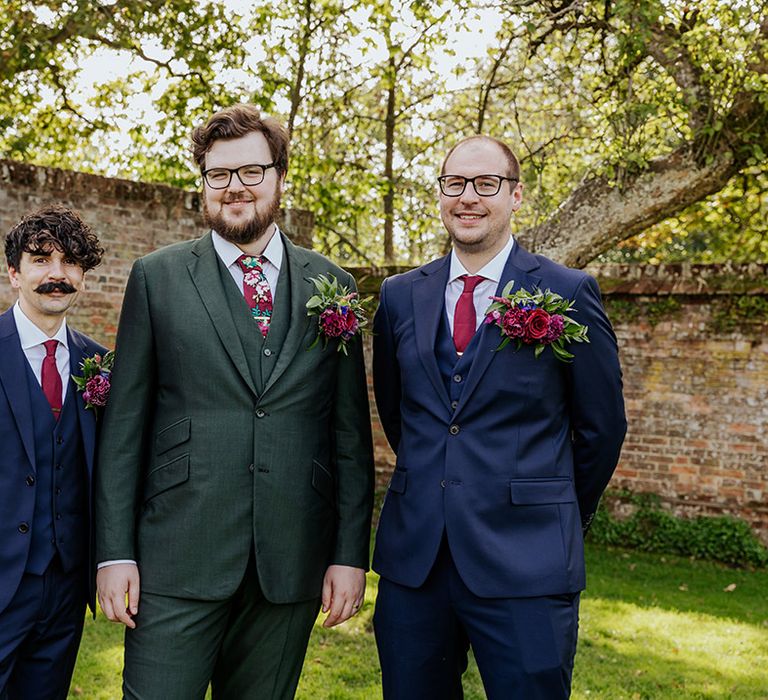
48	287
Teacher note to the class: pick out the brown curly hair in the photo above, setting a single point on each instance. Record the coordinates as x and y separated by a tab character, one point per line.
54	226
239	120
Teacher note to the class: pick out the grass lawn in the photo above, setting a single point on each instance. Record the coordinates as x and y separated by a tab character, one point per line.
652	628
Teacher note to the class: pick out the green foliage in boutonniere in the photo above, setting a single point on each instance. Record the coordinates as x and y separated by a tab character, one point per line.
95	381
536	318
341	313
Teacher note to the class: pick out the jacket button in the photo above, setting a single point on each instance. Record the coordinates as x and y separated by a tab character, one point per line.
457	378
58	516
23	528
30	480
59	440
267	352
442	484
260	413
250	468
454	405
454	430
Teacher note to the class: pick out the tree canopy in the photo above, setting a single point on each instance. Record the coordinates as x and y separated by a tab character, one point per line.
642	125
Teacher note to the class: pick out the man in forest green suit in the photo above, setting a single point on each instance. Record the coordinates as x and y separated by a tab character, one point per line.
236	474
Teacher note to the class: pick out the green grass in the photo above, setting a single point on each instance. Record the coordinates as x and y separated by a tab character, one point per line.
652	628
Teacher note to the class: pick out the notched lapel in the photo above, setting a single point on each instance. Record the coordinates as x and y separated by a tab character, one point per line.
301	290
13	377
428	294
204	269
87	417
519	268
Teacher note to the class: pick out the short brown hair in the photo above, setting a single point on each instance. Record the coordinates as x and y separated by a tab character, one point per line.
239	120
58	227
513	164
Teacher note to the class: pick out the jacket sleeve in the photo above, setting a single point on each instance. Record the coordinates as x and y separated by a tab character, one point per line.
125	426
596	403
354	457
386	372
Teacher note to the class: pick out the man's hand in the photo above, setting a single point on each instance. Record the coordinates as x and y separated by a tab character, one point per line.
113	583
343	590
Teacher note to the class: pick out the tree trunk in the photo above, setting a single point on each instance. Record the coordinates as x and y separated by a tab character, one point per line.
599	214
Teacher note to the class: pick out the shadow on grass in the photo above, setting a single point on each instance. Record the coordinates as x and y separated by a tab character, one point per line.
677	583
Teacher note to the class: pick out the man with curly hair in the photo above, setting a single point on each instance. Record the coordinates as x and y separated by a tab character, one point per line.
48	440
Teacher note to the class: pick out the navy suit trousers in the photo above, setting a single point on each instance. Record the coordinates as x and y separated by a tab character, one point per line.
40	633
524	647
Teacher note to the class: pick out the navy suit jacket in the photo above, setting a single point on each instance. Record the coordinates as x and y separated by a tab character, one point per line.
17	457
514	472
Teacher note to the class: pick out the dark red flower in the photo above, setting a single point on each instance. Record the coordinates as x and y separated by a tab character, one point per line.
97	390
332	323
556	327
536	325
513	323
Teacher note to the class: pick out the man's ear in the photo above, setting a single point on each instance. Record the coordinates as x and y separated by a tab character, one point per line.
517	196
13	276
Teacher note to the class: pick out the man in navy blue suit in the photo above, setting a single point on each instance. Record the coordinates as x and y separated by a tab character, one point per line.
46	461
502	455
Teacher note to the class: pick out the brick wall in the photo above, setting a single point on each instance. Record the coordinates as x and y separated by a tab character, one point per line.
130	218
693	340
695	357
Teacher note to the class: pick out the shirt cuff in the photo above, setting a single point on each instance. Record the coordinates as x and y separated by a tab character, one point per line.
111	562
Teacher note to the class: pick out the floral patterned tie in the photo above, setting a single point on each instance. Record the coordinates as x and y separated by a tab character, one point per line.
256	289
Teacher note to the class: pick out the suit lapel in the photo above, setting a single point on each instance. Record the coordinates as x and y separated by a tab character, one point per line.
519	268
204	269
13	379
87	417
299	273
428	303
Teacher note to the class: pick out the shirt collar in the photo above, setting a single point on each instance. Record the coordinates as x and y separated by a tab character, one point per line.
229	252
492	270
30	335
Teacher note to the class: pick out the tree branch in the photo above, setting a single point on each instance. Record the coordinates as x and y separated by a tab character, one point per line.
599	214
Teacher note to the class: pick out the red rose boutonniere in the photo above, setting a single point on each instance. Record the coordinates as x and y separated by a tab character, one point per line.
341	313
95	380
537	318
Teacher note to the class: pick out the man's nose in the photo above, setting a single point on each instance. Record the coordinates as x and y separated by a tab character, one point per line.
56	270
235	183
469	195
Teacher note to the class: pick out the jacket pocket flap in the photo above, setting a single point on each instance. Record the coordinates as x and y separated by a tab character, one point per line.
166	476
541	491
323	482
175	434
398	481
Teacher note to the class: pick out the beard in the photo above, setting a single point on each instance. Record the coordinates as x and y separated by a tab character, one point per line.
250	230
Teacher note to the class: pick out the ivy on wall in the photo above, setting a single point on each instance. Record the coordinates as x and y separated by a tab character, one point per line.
652	528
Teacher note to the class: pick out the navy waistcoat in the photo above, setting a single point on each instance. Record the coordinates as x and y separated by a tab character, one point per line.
60	523
453	368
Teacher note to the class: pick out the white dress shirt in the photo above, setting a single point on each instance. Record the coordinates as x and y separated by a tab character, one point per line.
492	272
32	339
229	253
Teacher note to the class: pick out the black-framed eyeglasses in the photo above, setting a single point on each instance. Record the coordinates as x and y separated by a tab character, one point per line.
249	175
485	185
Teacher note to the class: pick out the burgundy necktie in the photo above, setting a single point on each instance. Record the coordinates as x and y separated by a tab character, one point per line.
464	318
256	289
50	377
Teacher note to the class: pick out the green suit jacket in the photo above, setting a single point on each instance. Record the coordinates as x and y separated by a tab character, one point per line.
197	465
